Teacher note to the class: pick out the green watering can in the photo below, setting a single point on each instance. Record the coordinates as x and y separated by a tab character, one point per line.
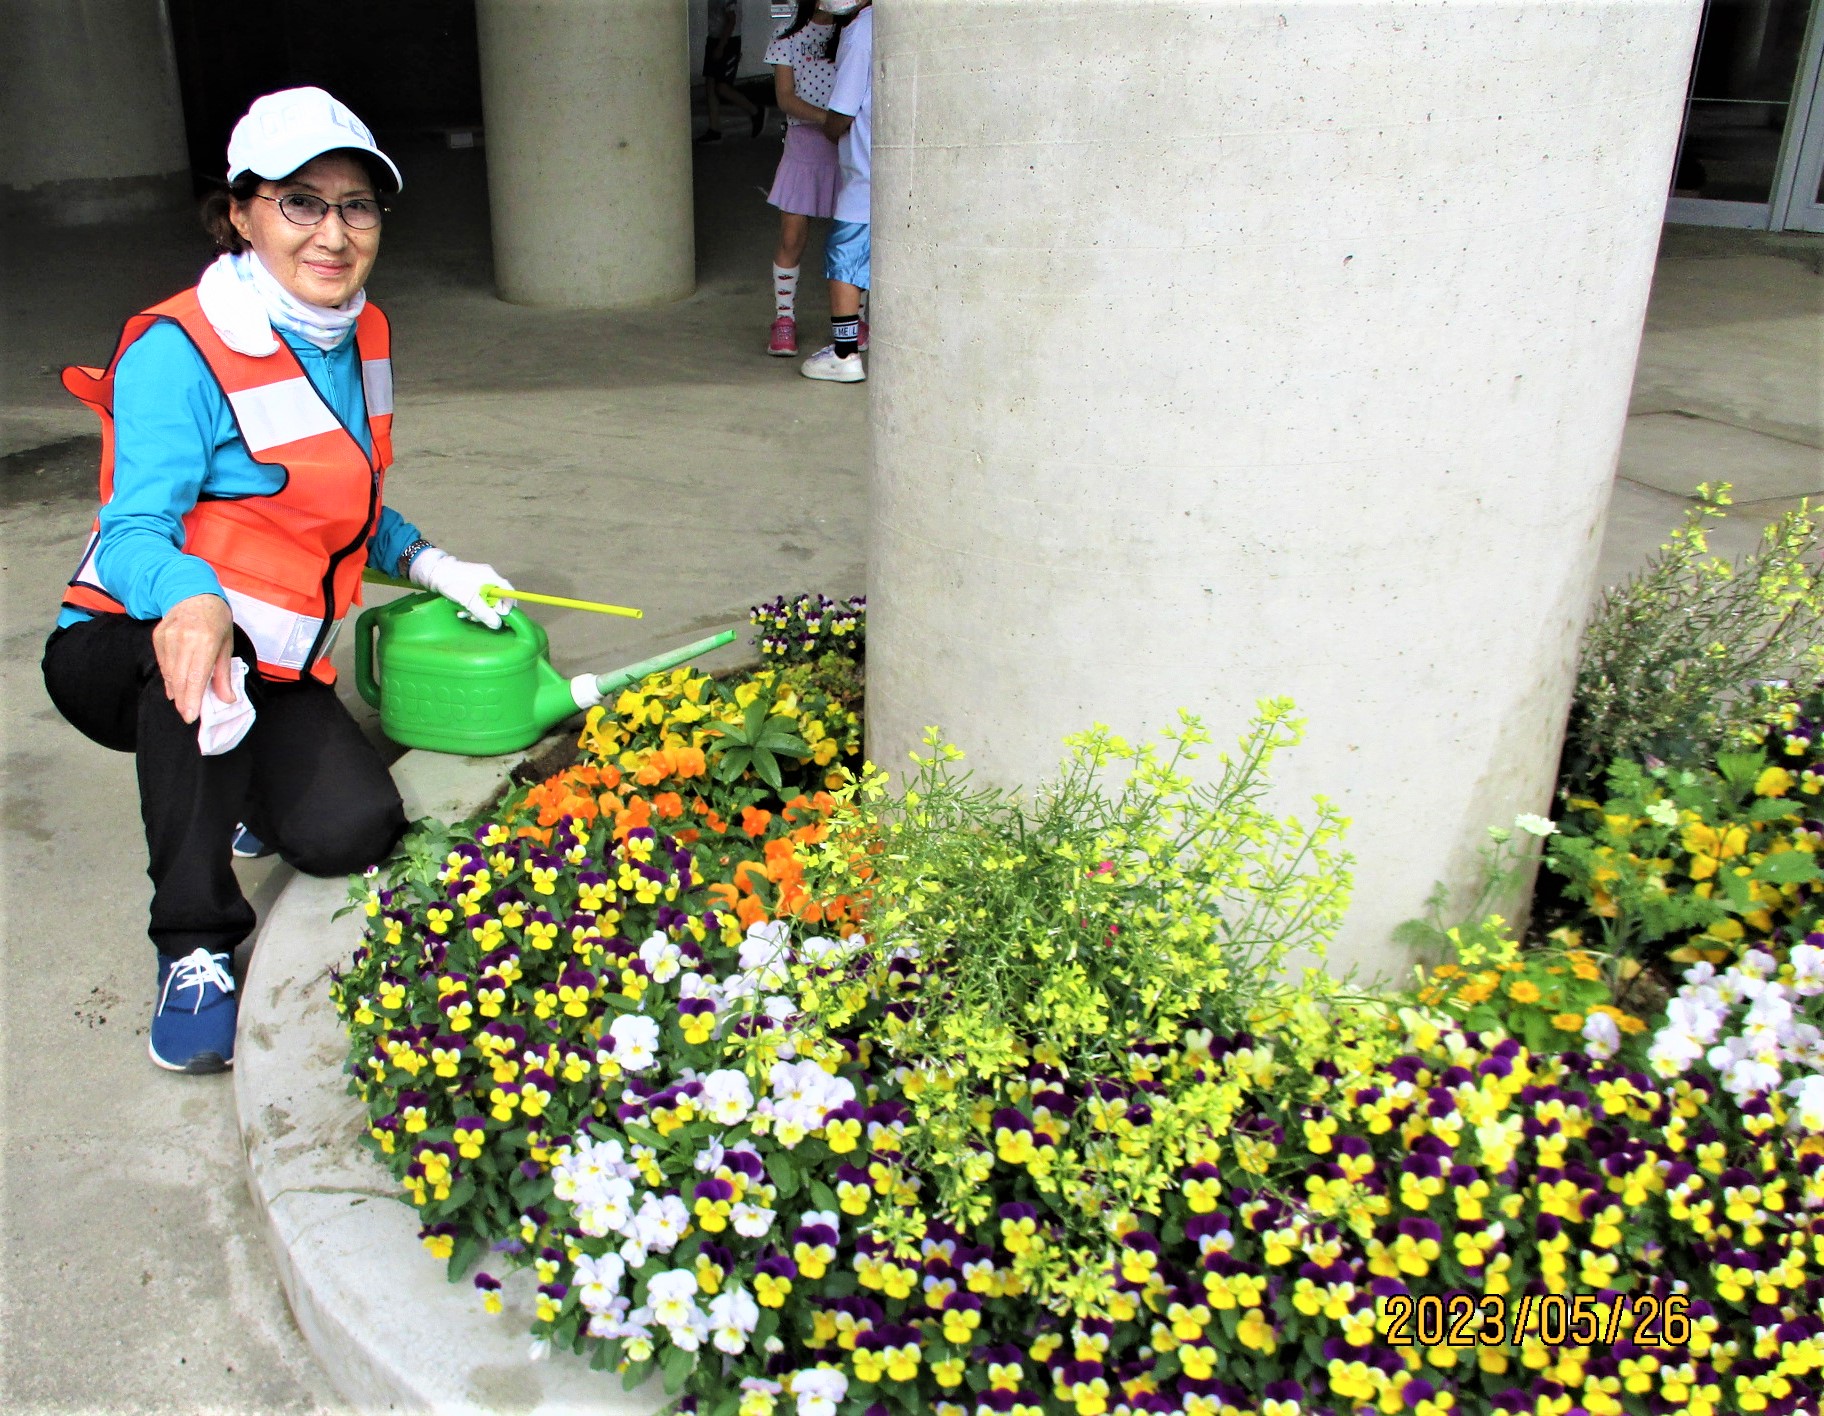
453	685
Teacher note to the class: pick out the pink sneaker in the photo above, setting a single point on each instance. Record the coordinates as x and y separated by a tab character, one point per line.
862	343
784	341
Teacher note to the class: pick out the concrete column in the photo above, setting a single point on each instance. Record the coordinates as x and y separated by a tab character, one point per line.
91	127
587	106
1243	349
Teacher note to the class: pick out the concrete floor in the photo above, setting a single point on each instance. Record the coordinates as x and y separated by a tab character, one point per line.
131	1275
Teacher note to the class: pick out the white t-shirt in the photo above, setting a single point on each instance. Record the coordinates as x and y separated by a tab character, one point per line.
812	74
853	93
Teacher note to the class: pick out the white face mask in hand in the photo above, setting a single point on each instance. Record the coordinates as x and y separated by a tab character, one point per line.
221	726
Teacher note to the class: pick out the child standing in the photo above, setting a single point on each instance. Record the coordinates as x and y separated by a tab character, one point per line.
721	67
802	57
846	253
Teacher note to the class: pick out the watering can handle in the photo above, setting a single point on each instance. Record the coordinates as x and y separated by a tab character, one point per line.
365	683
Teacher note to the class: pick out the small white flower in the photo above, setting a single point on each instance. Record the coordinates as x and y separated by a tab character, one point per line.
1808	1103
1601	1036
710	1156
661	957
751	1221
1663	812
672	1296
599	1281
732	1315
819	1390
766	953
727	1097
1540	826
636	1041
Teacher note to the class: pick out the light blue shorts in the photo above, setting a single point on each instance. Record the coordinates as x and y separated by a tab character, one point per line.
846	251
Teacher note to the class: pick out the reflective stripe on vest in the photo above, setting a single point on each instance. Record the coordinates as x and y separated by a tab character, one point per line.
289	562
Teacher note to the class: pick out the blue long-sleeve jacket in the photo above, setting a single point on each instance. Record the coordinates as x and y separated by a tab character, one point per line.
176	439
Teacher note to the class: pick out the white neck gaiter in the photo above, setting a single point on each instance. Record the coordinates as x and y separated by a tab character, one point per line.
245	303
325	326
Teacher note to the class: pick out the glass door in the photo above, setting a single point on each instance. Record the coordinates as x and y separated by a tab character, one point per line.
1752	144
1800	207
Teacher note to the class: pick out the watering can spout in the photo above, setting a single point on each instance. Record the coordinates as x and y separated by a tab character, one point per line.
601	685
558	697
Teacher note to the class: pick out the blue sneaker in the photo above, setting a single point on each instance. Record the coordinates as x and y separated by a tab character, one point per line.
193	1025
246	845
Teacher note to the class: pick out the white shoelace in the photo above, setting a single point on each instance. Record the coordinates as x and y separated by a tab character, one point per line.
195	969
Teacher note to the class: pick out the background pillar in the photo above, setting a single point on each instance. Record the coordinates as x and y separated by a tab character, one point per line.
1234	350
587	110
91	128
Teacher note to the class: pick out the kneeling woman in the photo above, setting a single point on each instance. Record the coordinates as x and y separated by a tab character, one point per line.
246	433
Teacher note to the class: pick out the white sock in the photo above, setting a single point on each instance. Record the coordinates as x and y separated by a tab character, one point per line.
785	290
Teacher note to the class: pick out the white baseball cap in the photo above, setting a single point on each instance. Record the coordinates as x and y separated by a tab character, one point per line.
282	131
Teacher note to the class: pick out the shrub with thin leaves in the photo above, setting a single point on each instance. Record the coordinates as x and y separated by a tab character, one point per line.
1677	662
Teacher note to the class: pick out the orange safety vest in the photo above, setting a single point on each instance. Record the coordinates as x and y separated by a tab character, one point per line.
289	562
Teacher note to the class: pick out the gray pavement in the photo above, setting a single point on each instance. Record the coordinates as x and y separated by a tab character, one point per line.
655	457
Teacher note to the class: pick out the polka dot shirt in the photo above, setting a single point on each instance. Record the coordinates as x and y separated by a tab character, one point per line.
812	77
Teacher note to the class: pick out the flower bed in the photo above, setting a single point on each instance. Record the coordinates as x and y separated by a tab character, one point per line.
817	1100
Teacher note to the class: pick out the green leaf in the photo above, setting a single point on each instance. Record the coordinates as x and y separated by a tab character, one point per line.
469	1248
1788	868
1740	769
768	767
677	1364
822	1196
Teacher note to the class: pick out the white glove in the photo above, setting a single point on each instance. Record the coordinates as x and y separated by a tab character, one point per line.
461	581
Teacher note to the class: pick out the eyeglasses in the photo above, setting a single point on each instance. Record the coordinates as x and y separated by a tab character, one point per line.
302	209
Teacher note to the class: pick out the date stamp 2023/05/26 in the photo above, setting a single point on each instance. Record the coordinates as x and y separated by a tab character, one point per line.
1556	1319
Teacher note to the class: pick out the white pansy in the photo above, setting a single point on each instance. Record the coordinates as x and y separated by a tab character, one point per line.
751	1221
598	1281
1808	1103
662	957
661	1222
732	1316
672	1296
636	1041
1663	812
1601	1036
819	1390
1807	962
765	953
727	1097
710	1156
1540	826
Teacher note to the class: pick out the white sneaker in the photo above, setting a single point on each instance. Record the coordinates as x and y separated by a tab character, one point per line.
826	364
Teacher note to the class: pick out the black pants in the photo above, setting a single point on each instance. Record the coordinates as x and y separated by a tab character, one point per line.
304	779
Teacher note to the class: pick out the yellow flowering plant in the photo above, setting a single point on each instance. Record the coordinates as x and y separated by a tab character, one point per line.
1699	862
1089	931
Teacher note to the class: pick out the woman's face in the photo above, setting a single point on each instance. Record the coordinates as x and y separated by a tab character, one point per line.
323	264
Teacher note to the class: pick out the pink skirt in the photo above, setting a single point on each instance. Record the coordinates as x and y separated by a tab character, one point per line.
806	180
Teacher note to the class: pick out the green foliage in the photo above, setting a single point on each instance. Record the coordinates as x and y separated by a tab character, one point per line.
1679	863
1072	928
755	744
1676	662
